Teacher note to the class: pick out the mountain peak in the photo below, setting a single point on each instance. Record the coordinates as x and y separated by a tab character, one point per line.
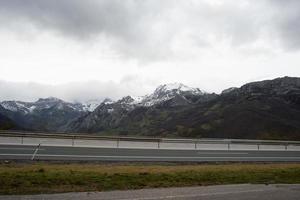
92	104
49	99
169	91
177	88
174	86
126	100
107	101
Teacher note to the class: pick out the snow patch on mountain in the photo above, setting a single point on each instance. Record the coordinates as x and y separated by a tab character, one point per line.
16	106
178	87
8	106
31	108
110	110
91	105
137	99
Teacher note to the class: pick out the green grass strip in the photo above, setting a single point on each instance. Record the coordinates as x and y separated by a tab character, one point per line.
55	178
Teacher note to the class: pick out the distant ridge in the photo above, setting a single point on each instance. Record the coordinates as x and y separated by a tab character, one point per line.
267	109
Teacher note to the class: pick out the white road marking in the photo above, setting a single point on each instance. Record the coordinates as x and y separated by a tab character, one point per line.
16	148
149	157
221	153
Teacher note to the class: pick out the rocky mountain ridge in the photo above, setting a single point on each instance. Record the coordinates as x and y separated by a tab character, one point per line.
37	115
259	110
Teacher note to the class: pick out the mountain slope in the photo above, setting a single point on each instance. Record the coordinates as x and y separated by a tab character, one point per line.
5	122
115	115
260	110
49	114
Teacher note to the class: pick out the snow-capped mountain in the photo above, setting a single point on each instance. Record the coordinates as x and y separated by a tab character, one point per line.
44	114
178	88
39	105
17	106
162	93
55	114
111	114
91	105
266	109
169	91
259	110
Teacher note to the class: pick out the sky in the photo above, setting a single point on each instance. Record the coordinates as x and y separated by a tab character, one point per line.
80	50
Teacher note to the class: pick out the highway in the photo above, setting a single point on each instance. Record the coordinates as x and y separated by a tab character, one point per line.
68	153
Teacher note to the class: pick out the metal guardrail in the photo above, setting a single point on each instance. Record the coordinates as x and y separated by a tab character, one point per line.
146	139
73	136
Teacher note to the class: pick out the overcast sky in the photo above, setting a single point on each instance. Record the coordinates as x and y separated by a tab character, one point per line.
88	49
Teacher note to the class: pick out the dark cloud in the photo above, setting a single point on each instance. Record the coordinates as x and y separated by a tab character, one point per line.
151	29
81	19
124	23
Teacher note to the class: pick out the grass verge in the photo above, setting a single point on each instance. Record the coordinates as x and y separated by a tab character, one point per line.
53	178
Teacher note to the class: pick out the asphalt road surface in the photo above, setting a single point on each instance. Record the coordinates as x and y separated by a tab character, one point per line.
28	152
221	192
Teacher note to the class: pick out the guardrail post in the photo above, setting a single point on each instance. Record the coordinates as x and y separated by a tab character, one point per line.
73	138
118	143
286	146
258	147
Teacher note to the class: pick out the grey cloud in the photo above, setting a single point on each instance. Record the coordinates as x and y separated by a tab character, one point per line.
285	22
126	24
81	19
149	29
